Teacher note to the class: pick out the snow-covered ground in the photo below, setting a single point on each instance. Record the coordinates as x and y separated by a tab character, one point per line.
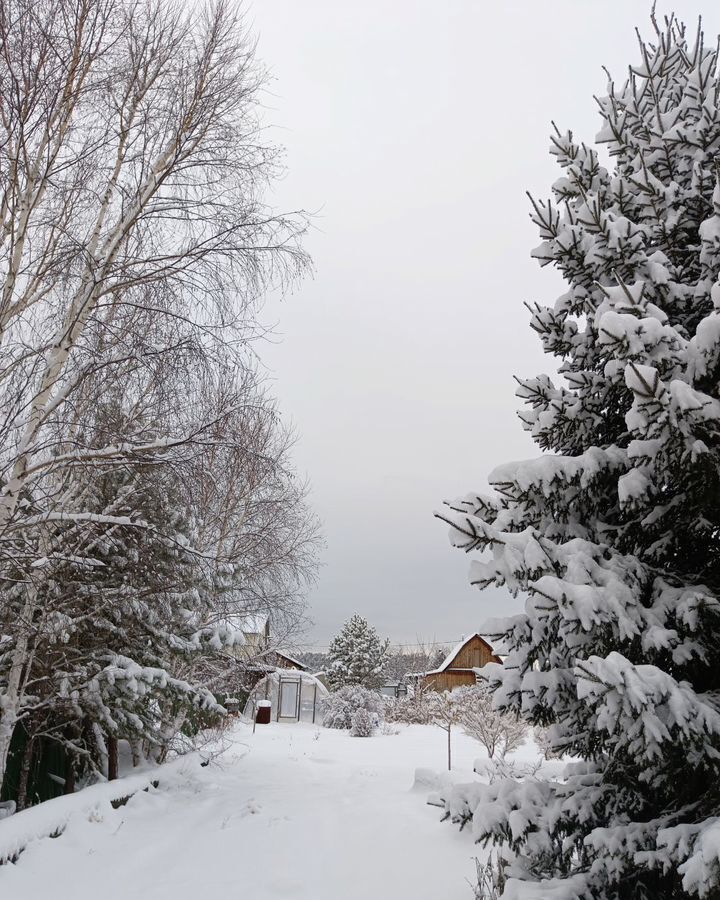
292	811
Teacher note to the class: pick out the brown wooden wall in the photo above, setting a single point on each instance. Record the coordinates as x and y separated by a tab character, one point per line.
473	655
446	681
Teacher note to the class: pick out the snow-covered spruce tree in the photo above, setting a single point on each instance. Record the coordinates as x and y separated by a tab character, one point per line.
614	534
357	655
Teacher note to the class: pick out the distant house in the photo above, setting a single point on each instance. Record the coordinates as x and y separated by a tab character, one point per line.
256	631
280	659
257	645
458	667
256	653
394	689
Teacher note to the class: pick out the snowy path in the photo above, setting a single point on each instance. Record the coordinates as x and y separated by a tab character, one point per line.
290	812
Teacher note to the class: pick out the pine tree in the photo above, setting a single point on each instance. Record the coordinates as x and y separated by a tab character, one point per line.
357	655
614	533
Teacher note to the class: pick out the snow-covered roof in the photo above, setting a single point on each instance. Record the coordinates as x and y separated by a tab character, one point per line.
255	623
454	652
286	656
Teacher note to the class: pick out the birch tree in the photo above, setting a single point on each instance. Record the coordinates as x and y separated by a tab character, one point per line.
132	228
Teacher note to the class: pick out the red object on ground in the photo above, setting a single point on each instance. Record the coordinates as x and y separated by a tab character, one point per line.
262	716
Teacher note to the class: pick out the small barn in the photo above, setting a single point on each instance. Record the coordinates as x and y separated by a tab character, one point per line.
458	667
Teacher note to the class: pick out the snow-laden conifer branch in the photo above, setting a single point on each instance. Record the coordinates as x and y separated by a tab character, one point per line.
612	535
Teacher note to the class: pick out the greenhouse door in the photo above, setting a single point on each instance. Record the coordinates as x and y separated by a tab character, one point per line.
289	700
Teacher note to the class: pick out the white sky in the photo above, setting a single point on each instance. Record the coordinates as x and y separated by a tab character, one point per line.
413	129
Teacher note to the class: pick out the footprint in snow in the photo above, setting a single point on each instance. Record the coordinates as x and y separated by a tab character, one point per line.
251	808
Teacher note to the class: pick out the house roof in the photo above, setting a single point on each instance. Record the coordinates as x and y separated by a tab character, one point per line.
454	652
254	623
285	655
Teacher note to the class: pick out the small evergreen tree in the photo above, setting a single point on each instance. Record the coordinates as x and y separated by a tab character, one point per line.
357	655
614	534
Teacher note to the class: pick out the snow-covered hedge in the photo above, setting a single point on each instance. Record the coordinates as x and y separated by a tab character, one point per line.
340	707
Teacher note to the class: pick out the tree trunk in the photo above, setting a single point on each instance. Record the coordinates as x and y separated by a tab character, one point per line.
20	663
137	753
70	774
112	758
13	690
25	773
449	752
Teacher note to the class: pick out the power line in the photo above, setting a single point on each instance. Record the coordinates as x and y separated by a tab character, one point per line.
323	648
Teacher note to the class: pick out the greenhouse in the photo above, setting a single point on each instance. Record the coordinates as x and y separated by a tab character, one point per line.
294	696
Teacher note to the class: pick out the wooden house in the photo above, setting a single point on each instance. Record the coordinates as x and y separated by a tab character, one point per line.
256	634
257	648
280	659
269	661
458	667
255	653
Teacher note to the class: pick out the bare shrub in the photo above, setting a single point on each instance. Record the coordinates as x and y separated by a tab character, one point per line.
363	723
543	738
498	732
411	710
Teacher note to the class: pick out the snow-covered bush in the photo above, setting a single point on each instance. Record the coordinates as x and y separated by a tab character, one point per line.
410	710
471	708
612	534
503	767
499	732
341	705
363	723
389	730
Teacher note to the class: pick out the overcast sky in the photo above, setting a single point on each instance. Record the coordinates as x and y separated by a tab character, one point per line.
413	130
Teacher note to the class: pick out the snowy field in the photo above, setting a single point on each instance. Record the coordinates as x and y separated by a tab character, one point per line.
292	811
